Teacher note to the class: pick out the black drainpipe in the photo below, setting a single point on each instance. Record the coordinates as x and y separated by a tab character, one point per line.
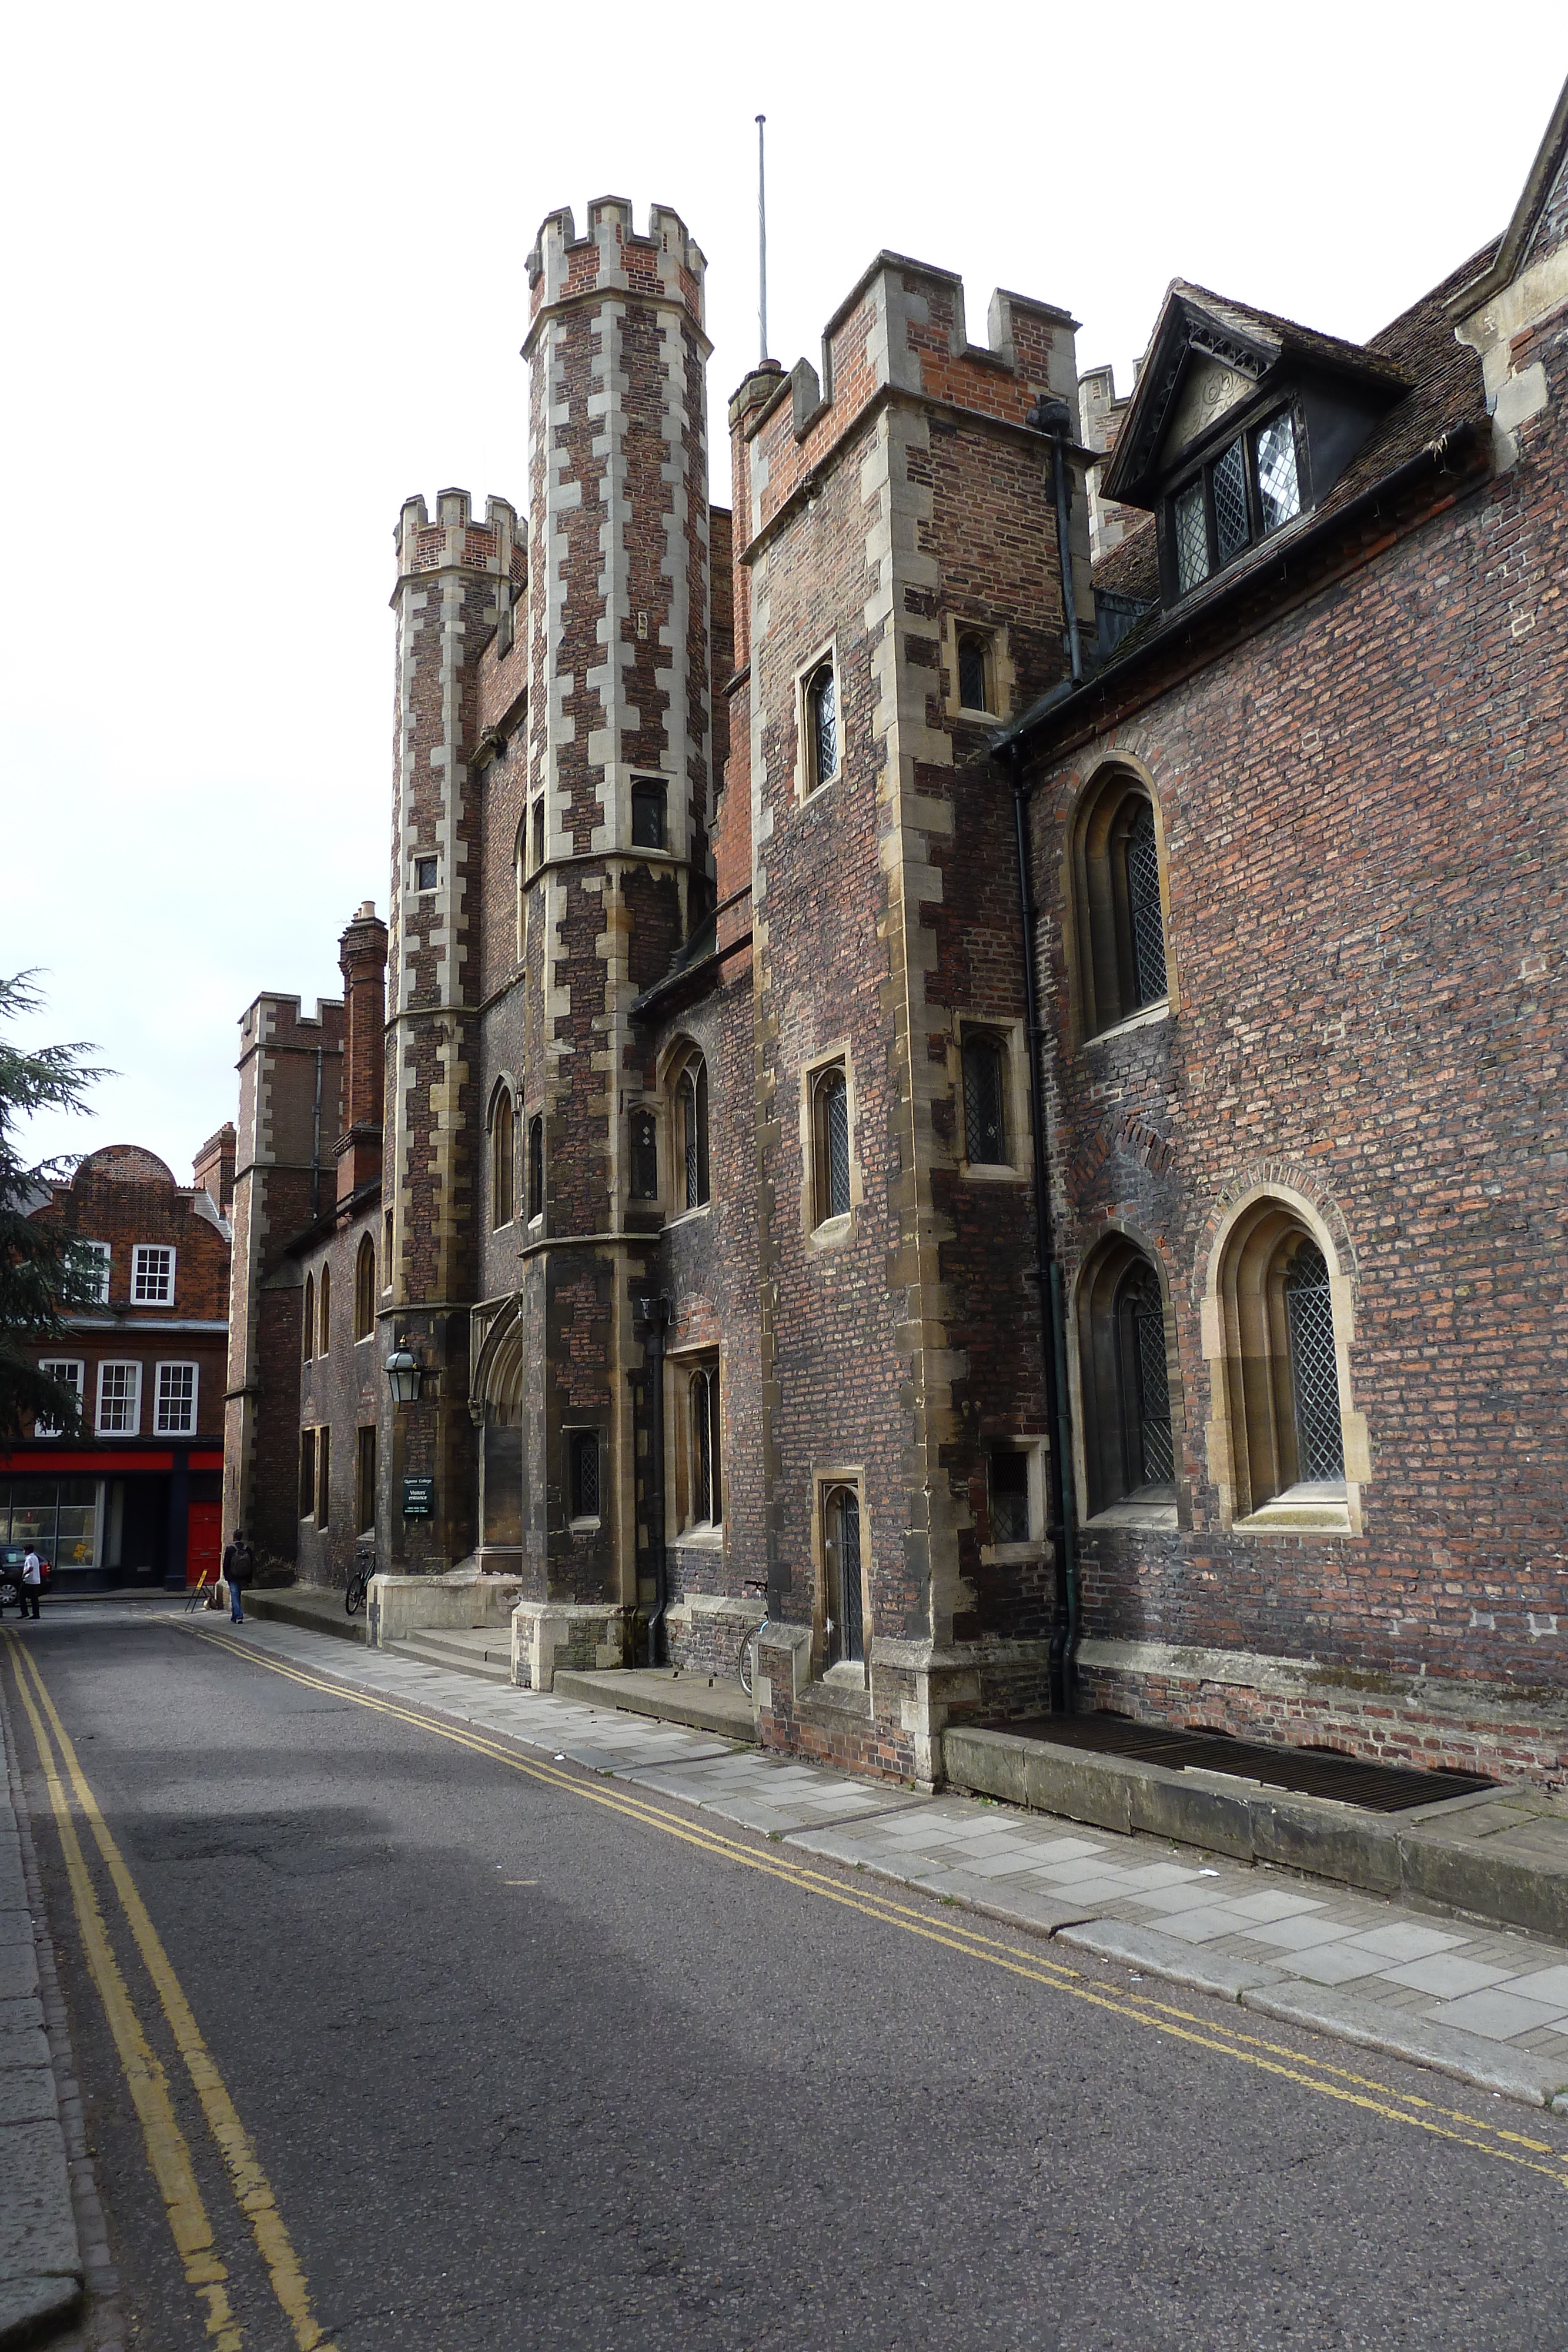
656	1314
316	1146
1053	1352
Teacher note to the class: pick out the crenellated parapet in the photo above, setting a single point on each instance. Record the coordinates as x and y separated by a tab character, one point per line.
665	265
454	541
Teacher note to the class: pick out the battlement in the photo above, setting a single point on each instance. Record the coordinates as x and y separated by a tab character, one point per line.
498	544
611	257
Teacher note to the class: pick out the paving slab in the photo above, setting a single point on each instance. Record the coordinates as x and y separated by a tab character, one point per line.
1144	1948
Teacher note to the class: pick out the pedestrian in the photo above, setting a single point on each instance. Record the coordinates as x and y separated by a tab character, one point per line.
32	1581
237	1563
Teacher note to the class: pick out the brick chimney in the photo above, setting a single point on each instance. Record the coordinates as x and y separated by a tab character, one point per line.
214	1168
362	960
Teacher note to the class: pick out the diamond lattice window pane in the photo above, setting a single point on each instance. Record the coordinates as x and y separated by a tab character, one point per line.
1144	908
1231	502
1278	490
984	1125
1153	1383
1191	538
1315	1376
836	1108
825	723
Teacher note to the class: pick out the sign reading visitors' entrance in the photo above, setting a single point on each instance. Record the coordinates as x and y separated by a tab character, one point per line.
418	1498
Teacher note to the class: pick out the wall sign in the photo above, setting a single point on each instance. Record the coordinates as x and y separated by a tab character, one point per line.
418	1498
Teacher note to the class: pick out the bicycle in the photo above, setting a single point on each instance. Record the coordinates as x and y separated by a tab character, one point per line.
749	1642
364	1569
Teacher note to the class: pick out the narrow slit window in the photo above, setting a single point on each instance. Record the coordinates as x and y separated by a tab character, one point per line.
503	1200
707	1484
830	1140
844	1625
584	1444
821	726
323	1477
308	1327
365	1289
307	1474
365	1481
1315	1377
974	671
984	1100
1009	1495
536	1167
644	1156
324	1312
691	1105
648	812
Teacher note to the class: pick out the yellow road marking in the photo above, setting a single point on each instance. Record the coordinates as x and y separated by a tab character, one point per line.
251	2186
1263	2056
167	2151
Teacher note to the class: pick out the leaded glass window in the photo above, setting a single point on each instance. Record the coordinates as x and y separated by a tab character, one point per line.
707	1507
536	1167
831	1124
644	1156
1230	531
1278	488
842	1544
984	1100
1151	1380
1315	1376
974	684
503	1204
822	724
1145	917
1191	538
585	1473
1009	1495
691	1101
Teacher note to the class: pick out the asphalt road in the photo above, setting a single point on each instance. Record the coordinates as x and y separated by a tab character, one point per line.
523	2069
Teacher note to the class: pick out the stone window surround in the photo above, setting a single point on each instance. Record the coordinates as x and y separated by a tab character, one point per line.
1002	675
1035	1546
680	1364
1095	784
809	786
571	1432
1009	1030
825	1477
833	1233
1150	1516
1275	1517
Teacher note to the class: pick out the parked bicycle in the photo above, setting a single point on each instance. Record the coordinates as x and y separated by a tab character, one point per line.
749	1645
364	1568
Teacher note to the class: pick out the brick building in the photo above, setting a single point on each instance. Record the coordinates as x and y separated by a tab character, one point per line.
135	1498
999	1093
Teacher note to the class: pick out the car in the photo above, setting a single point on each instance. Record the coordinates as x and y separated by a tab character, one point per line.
11	1559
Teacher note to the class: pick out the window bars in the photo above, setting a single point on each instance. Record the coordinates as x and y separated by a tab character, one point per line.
1144	915
1315	1377
842	1542
830	1121
984	1101
822	715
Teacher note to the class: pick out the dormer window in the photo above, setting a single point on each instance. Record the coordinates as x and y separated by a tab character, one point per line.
1249	490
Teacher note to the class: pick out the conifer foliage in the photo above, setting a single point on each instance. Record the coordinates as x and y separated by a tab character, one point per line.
42	1275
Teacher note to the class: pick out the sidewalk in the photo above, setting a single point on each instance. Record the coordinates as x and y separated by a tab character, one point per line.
1487	2005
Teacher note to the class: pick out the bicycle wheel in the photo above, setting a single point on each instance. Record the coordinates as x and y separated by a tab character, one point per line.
748	1662
354	1598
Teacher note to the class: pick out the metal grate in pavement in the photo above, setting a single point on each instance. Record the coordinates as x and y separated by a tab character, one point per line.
1306	1771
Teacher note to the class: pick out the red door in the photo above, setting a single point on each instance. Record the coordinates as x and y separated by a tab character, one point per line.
203	1533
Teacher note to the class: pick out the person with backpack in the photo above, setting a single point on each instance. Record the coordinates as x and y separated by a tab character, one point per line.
237	1563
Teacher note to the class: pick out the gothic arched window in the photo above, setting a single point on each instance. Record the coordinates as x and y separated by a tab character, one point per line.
691	1124
831	1188
1117	903
503	1173
821	717
1124	1362
843	1622
365	1289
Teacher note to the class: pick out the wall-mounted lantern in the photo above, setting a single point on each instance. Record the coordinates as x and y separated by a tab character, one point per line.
404	1374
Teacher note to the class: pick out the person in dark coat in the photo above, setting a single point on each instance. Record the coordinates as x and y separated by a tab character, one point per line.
237	1562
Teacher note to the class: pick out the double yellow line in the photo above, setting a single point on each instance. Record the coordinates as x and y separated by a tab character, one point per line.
168	2150
1526	2150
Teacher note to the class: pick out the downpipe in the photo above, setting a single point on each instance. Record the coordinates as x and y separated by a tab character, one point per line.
656	1315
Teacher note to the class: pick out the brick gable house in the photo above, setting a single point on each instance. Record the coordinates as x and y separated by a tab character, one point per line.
997	1098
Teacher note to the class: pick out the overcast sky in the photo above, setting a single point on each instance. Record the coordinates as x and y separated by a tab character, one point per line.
266	280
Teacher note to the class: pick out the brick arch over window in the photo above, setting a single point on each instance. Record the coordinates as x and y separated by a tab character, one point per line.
1277	1326
1117	898
1129	1373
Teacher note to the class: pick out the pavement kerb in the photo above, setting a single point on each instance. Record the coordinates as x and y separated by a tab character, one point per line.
43	2273
1338	2015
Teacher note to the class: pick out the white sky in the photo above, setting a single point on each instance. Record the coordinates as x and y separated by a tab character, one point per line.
266	280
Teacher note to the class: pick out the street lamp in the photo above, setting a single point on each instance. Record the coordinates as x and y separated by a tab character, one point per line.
404	1375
